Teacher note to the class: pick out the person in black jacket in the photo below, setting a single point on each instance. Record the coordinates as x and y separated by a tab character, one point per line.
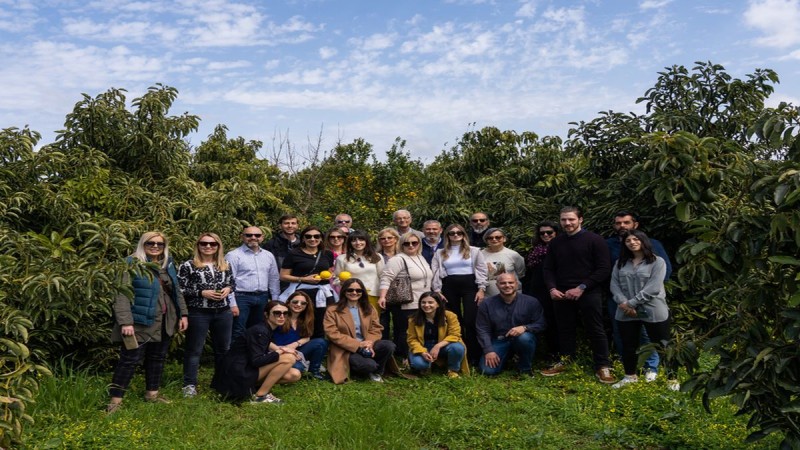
249	367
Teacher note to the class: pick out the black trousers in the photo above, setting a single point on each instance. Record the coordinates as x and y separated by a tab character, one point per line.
394	320
460	290
630	331
590	309
362	365
155	356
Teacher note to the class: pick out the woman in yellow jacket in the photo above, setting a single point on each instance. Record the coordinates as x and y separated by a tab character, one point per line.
434	333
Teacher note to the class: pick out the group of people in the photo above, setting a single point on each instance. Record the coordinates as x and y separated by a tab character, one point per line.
447	299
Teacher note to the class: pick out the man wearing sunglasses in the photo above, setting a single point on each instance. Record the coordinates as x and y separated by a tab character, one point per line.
479	223
344	222
624	221
256	273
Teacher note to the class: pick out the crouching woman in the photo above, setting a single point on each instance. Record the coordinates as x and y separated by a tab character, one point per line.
250	367
434	334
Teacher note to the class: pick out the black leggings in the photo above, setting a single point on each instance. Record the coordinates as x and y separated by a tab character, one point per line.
659	333
460	290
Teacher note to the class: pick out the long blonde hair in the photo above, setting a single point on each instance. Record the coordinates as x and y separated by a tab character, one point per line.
464	250
220	262
140	254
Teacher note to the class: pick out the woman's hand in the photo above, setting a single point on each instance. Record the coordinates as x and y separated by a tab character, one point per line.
127	330
310	279
479	296
225	292
435	352
210	294
382	302
183	324
428	357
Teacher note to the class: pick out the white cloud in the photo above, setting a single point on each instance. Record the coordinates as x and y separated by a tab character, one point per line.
228	65
778	20
327	52
378	42
654	4
527	10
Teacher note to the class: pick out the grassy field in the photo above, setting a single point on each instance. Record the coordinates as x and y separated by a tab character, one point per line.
570	411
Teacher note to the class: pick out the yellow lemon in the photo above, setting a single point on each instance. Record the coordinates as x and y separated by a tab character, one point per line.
325	274
344	276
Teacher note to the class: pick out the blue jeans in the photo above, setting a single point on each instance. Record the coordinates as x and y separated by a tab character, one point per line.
653	360
201	320
313	350
454	352
524	346
251	311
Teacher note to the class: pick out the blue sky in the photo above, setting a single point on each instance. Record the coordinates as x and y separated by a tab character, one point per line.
422	70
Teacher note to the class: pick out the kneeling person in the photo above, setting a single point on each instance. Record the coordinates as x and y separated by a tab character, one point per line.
435	334
506	325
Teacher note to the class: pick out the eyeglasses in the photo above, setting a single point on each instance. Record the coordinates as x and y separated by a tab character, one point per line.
343	221
494	238
479	220
411	244
279	313
336	237
455	233
208	244
386	238
354	291
299	302
547	232
253	235
152	244
312	236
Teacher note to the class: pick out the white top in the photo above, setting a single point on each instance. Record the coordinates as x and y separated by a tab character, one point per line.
419	271
504	261
370	274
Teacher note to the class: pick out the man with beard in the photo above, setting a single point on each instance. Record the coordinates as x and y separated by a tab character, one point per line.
433	239
479	223
284	241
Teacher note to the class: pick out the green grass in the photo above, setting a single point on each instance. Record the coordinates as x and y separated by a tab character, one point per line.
570	411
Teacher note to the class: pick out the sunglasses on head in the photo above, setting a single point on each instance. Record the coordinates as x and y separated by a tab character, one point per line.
547	232
411	244
211	244
155	244
354	290
253	235
312	236
279	313
455	233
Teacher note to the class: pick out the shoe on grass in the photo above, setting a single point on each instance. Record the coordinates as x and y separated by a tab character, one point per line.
627	379
555	369
158	398
318	376
189	391
267	398
673	385
650	375
604	375
453	374
376	377
113	407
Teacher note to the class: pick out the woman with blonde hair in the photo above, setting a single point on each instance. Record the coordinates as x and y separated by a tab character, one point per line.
388	243
205	280
146	322
460	275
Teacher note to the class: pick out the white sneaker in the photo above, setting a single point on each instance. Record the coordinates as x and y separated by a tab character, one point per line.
189	391
673	385
650	375
376	378
627	379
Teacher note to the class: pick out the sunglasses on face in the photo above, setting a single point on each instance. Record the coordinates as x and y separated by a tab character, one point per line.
354	291
479	220
279	313
154	244
312	236
336	237
546	233
343	221
253	235
455	233
411	244
208	244
494	238
299	302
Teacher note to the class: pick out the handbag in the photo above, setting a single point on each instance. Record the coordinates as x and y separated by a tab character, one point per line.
400	292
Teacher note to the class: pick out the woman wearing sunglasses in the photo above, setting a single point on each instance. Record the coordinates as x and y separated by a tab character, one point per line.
334	241
251	368
460	274
301	269
295	337
354	332
205	280
362	262
500	259
146	322
388	243
411	262
534	286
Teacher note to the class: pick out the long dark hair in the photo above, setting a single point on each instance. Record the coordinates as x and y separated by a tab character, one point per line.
305	321
369	252
303	237
438	317
363	301
545	223
268	309
647	248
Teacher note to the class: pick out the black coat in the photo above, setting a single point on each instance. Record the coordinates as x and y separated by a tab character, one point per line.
237	375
